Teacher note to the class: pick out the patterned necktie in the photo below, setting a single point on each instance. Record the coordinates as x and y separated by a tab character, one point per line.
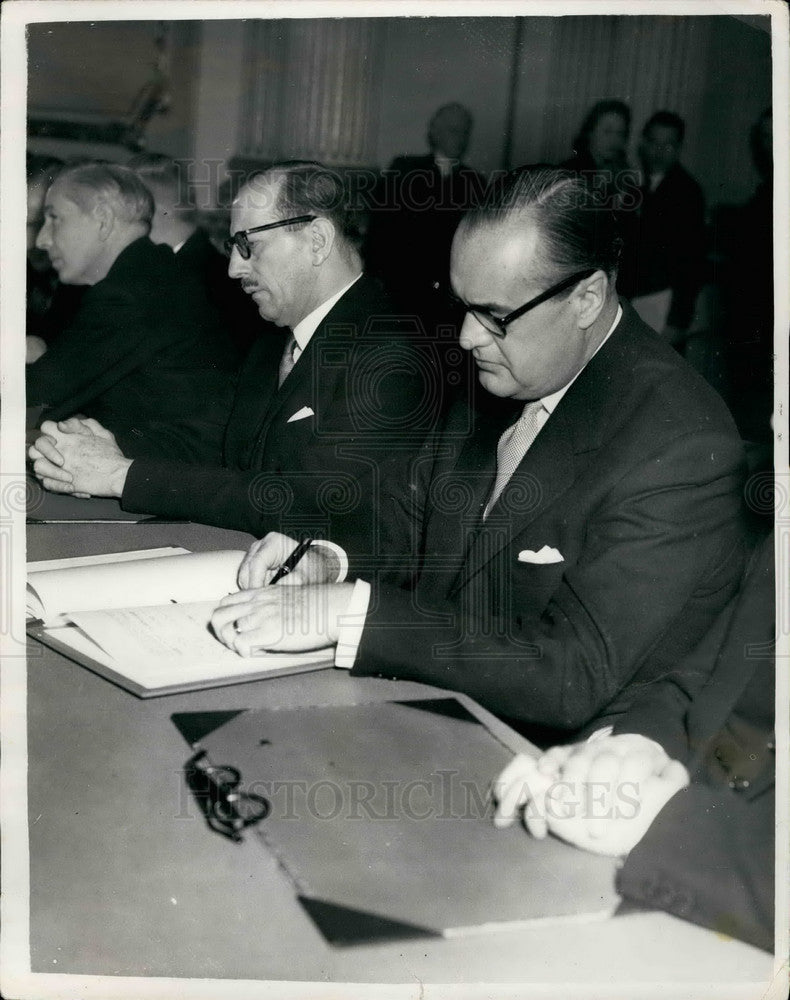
287	361
513	446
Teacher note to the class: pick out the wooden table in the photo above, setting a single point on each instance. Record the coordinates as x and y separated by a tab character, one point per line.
126	880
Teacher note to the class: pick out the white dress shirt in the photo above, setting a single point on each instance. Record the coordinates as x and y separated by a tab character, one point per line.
304	329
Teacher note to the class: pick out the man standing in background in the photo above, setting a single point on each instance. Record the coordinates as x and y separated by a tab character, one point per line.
663	266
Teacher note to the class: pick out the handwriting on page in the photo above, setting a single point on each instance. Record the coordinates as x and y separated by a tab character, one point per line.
167	633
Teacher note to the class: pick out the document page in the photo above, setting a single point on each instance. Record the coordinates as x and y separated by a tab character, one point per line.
127	583
173	644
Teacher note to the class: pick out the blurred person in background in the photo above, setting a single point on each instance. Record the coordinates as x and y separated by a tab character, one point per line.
663	263
599	150
176	222
746	285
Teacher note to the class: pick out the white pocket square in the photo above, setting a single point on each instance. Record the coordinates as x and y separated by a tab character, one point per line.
546	555
306	411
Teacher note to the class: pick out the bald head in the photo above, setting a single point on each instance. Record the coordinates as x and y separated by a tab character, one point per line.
449	131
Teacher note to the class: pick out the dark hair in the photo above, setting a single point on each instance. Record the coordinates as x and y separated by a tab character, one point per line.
119	186
578	230
40	167
310	188
665	119
158	171
453	106
581	143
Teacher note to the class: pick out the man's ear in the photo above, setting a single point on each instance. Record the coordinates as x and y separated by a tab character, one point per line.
322	239
589	298
105	219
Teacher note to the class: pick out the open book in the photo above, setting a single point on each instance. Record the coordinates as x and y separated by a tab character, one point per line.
141	619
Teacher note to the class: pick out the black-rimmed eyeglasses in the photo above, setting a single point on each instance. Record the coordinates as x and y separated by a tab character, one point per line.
498	324
242	244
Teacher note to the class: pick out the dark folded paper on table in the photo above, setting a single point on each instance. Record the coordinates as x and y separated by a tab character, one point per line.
381	818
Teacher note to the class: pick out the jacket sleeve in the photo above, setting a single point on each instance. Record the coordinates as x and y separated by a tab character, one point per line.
208	494
88	357
669	526
708	857
328	481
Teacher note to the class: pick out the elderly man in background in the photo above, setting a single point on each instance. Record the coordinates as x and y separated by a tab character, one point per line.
564	547
415	210
319	404
141	355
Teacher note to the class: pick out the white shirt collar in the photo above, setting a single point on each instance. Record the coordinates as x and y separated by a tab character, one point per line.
550	402
444	164
305	328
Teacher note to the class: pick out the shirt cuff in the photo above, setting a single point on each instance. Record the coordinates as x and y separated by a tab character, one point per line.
341	555
351	624
605	731
600	734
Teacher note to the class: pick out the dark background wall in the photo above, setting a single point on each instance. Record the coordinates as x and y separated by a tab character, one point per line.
360	91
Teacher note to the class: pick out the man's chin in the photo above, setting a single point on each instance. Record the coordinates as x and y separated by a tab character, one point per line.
494	383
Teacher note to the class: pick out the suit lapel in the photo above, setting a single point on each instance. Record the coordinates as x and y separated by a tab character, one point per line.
462	480
545	472
579	424
345	316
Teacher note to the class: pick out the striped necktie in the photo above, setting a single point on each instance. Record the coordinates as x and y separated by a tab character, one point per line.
512	447
287	361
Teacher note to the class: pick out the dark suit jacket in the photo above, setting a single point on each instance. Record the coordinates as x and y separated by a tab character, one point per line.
143	357
51	306
665	244
635	479
708	856
236	312
371	396
415	213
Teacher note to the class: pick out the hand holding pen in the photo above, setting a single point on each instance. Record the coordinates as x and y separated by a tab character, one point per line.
276	557
291	562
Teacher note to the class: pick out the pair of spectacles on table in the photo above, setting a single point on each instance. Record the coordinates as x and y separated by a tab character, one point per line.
242	244
498	324
215	786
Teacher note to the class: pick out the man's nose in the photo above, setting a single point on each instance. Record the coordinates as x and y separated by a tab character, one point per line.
473	333
43	241
236	264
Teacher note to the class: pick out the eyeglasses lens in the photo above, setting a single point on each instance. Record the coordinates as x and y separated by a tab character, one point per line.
489	322
240	242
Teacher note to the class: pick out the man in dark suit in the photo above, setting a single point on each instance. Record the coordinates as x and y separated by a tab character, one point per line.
175	223
316	409
415	210
683	783
666	234
563	548
140	355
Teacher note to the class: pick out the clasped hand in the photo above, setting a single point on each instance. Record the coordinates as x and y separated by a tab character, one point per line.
80	457
601	795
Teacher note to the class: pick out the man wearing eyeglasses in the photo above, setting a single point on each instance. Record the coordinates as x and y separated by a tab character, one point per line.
576	534
317	407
